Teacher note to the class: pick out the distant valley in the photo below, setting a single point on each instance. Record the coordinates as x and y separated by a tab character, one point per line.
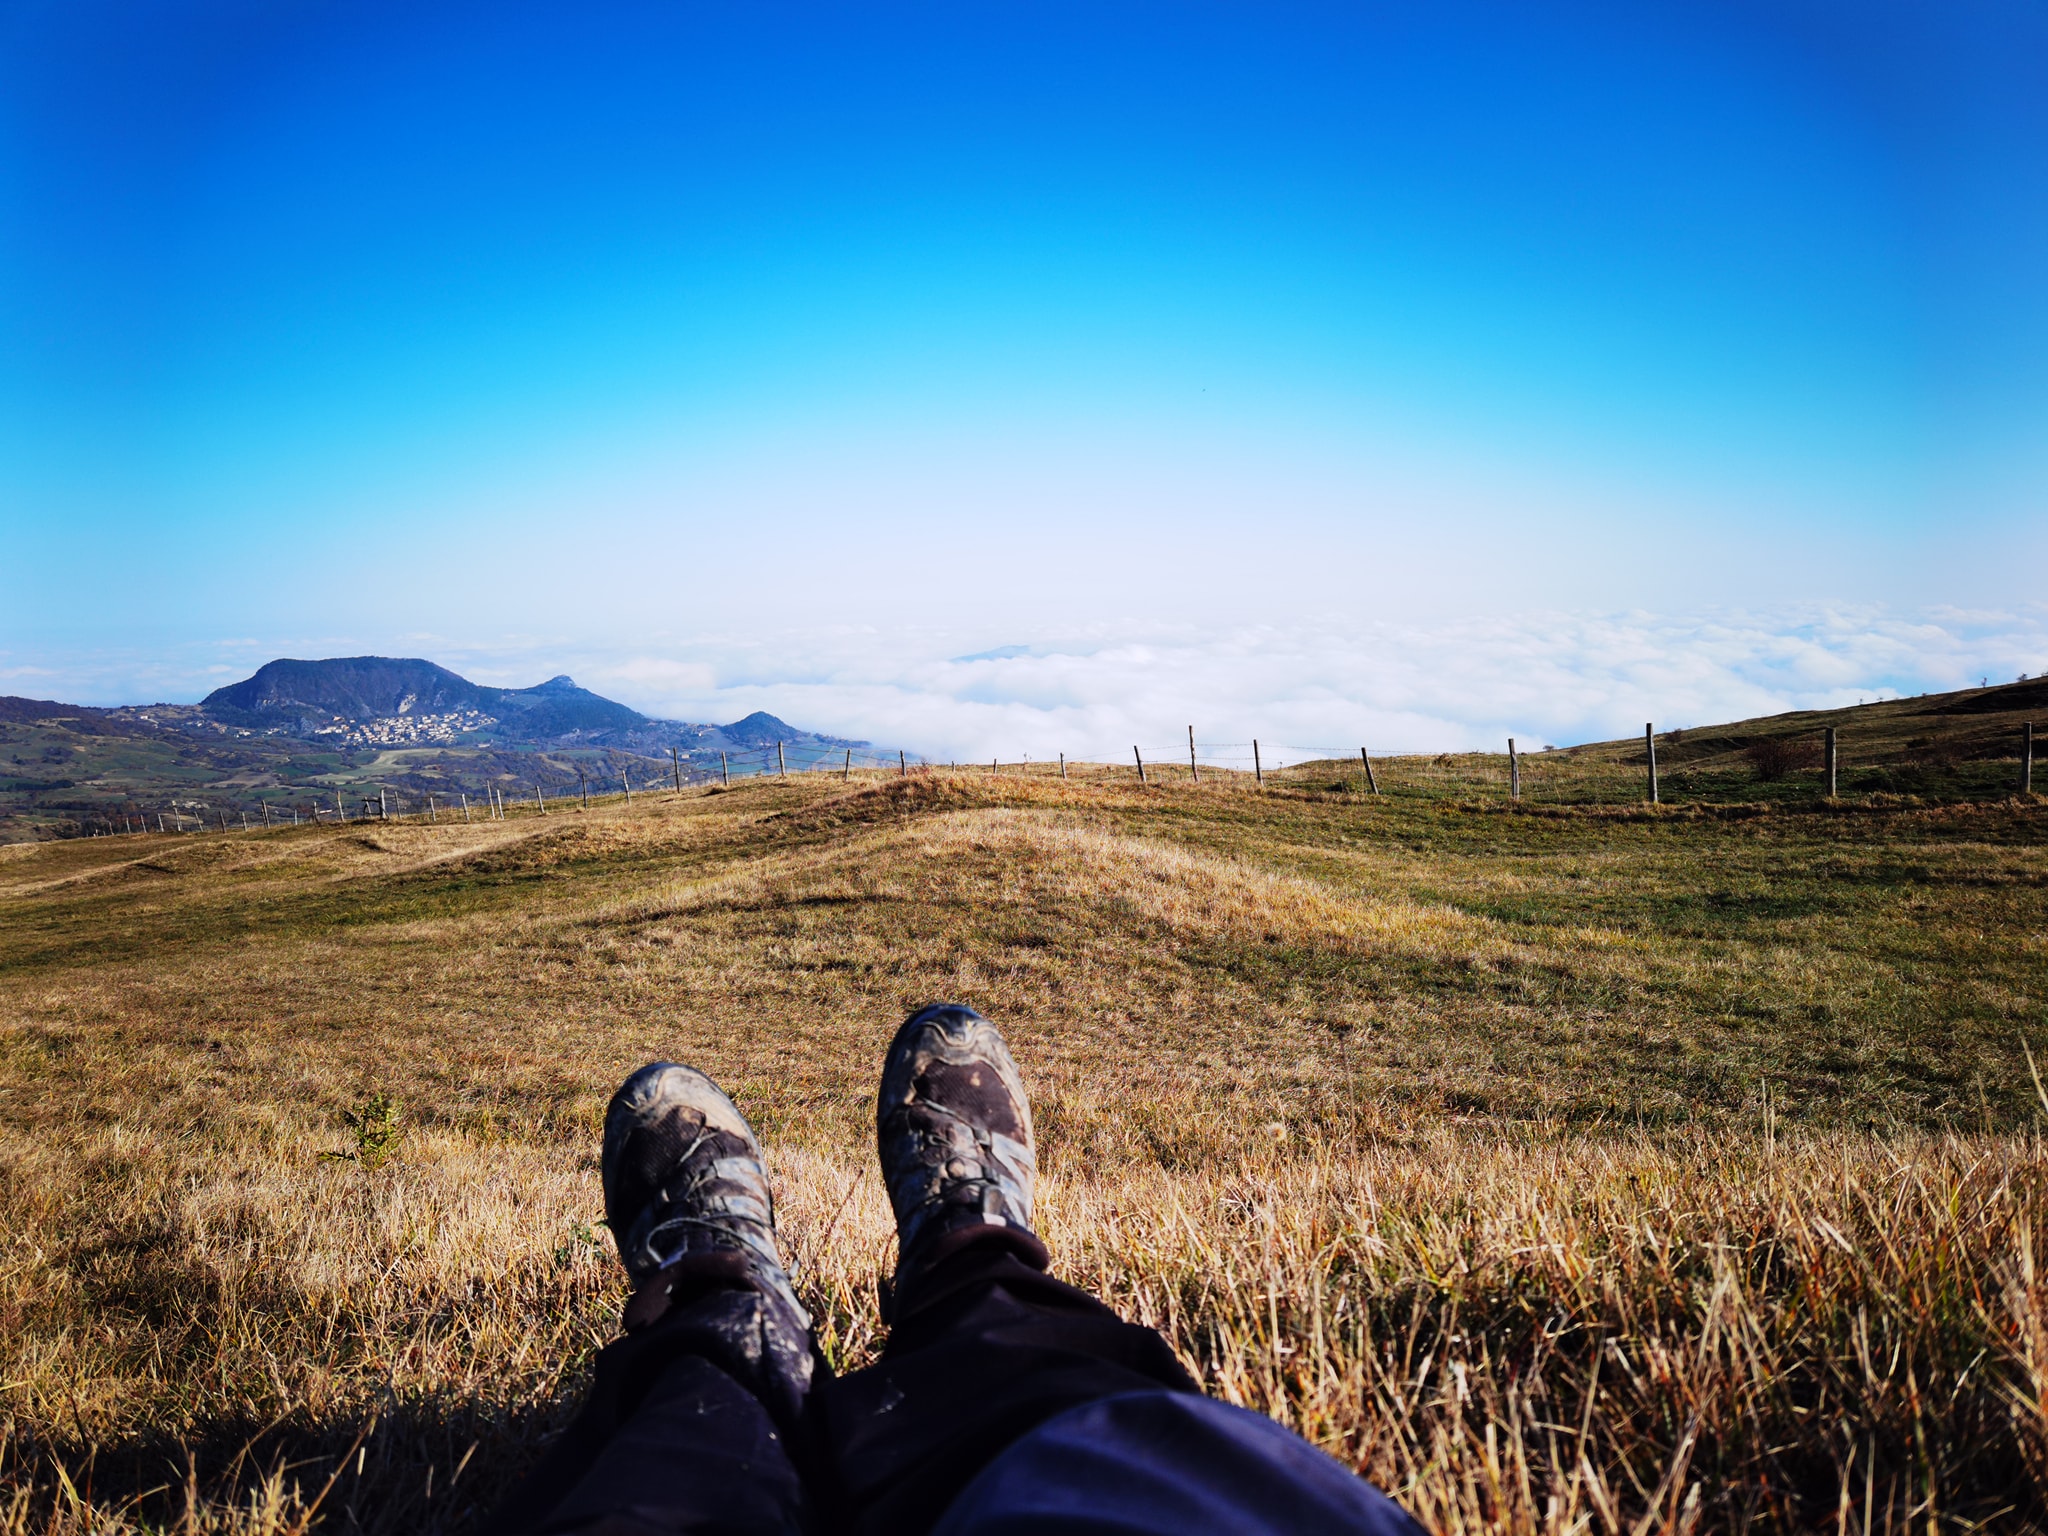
334	734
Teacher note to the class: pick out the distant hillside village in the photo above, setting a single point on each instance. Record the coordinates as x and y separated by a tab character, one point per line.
404	729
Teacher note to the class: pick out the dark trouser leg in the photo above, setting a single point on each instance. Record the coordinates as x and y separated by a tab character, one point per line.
675	1438
984	1346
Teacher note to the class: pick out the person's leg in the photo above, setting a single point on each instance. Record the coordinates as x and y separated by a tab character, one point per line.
672	1439
985	1348
988	1354
1168	1464
695	1421
983	1343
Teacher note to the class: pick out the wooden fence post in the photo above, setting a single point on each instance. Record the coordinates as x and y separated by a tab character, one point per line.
626	779
538	799
340	810
1258	772
583	788
1063	765
1141	766
2027	758
781	771
1830	750
1650	750
383	807
431	815
465	810
675	763
848	773
902	764
724	775
1371	779
1514	772
1194	772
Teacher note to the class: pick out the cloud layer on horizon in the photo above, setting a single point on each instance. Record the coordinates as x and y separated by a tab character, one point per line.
1313	683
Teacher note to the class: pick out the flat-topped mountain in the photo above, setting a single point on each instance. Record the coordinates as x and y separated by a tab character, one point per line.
315	695
359	701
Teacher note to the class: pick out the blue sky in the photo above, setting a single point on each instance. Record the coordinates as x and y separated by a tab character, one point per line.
780	354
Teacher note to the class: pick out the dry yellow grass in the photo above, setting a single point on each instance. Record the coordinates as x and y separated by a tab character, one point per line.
1516	1161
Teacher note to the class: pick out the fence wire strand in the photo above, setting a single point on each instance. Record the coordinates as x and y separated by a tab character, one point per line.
516	784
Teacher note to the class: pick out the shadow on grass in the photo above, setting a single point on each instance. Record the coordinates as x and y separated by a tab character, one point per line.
429	1464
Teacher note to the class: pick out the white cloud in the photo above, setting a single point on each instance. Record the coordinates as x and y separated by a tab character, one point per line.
654	673
1542	677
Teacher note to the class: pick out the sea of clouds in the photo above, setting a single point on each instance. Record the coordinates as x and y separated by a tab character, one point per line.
949	693
1541	677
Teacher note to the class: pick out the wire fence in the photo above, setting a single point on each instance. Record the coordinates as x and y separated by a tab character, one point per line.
1547	776
1612	774
539	787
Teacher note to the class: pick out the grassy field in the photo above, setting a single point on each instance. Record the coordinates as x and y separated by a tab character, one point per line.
1563	1167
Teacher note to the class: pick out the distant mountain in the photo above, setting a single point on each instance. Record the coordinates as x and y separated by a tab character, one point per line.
21	711
359	701
761	729
355	687
316	695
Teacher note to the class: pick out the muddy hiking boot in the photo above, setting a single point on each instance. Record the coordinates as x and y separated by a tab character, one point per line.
687	1199
953	1127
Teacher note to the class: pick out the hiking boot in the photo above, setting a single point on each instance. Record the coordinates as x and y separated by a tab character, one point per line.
687	1200
953	1127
